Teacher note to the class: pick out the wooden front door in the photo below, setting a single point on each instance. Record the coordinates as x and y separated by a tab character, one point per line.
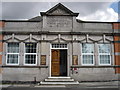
55	64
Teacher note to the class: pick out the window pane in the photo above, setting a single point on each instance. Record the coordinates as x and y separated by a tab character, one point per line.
104	59
87	59
12	59
13	47
87	48
104	53
30	47
30	59
104	48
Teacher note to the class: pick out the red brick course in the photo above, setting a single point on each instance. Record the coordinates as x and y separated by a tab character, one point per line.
2	24
117	47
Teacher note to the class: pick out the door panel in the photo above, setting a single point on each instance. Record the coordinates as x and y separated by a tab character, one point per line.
55	64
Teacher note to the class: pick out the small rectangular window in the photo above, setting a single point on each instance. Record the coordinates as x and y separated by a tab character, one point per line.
12	53
87	54
104	54
30	54
59	45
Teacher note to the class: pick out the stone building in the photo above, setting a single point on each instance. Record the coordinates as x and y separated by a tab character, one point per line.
57	45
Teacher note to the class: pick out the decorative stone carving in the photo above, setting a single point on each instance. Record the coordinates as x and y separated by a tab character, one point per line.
43	59
75	60
59	21
59	12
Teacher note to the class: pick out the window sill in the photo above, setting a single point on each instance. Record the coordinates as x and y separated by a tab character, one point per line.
77	66
13	66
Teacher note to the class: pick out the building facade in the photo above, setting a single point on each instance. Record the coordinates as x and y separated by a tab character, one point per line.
56	44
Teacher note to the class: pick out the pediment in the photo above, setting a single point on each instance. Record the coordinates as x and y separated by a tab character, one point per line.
59	9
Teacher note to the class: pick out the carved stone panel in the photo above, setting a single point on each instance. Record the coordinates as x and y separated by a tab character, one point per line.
43	59
59	21
59	12
75	60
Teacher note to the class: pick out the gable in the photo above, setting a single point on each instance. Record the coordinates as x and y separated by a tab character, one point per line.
59	9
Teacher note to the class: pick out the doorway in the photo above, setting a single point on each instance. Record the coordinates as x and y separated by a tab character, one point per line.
59	62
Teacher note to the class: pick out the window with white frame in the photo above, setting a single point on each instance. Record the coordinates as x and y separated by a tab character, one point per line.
59	45
104	54
12	53
87	54
30	54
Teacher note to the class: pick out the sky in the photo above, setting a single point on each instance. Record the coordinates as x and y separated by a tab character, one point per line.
88	11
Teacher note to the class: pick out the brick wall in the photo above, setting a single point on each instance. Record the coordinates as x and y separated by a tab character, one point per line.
1	43
117	46
2	23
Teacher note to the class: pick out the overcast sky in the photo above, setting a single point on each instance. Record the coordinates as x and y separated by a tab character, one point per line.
88	11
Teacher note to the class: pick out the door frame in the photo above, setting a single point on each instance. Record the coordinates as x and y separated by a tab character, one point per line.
51	59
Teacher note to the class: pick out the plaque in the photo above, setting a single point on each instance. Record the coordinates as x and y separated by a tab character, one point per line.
43	59
59	21
75	59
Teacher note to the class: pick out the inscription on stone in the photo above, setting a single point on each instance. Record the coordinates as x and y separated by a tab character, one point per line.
59	21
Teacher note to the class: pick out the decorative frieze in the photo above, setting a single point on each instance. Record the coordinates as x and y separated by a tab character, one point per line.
59	38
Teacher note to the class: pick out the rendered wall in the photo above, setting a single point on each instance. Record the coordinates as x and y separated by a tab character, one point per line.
94	74
24	74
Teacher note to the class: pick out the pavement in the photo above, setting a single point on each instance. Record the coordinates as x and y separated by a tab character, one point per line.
113	85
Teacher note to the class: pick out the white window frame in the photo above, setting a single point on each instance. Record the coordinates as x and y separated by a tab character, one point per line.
30	54
12	54
104	54
87	54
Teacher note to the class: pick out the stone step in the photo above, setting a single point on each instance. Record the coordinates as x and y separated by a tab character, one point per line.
58	83
59	79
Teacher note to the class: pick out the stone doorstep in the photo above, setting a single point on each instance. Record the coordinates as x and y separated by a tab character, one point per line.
61	79
59	83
